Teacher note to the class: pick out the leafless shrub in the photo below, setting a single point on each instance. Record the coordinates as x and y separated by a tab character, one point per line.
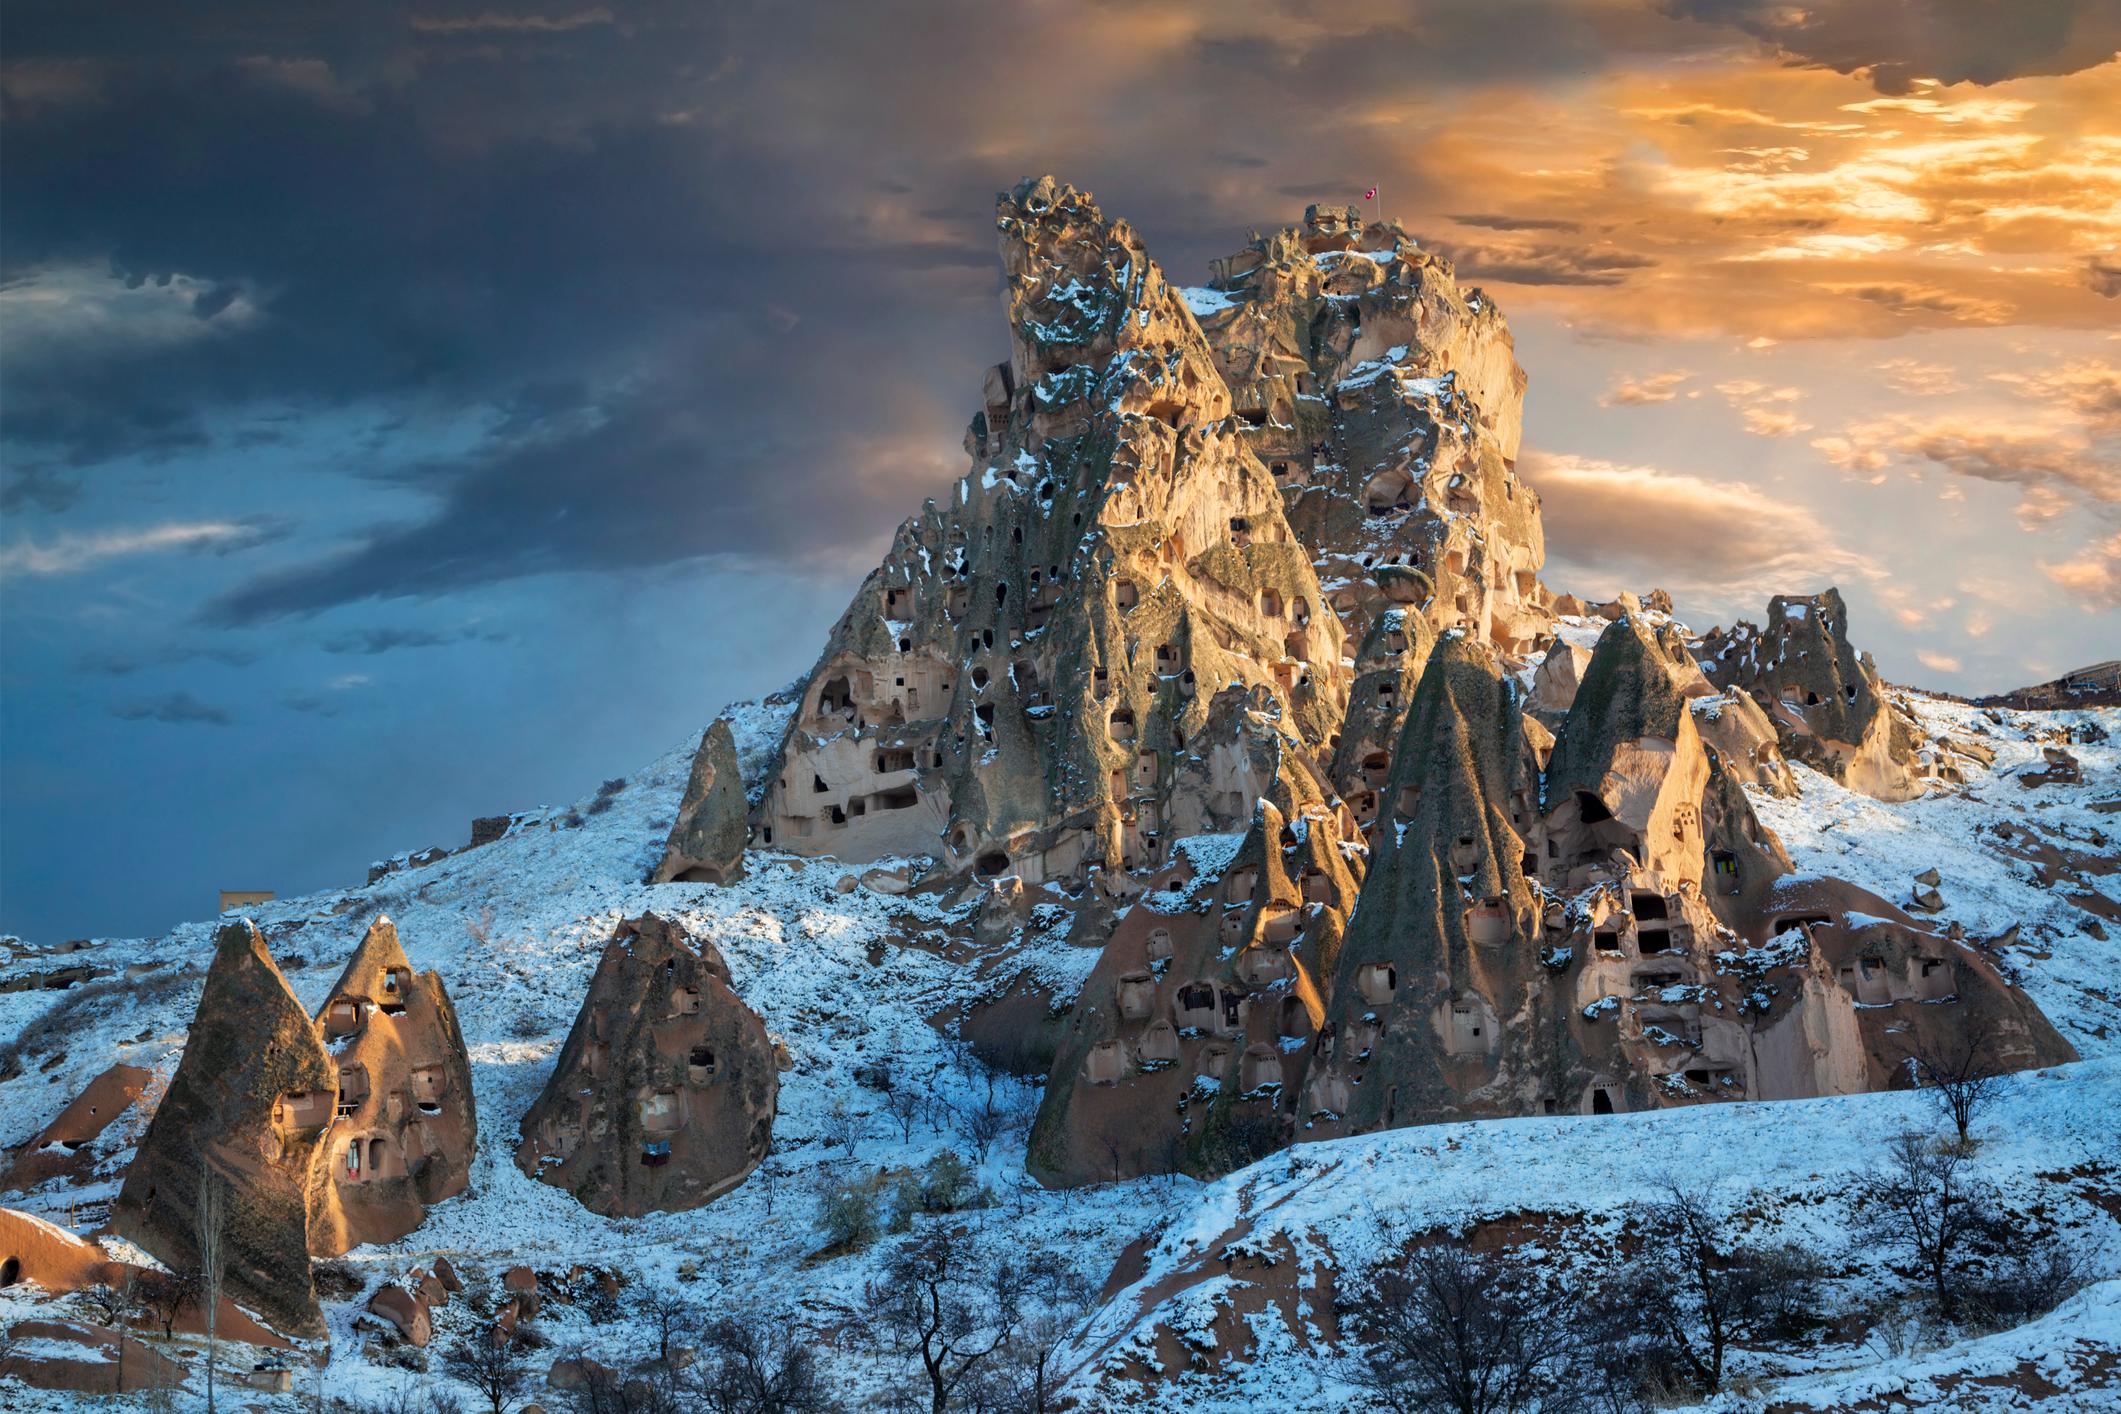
1452	1329
1931	1206
1670	1315
497	1369
748	1366
1960	1076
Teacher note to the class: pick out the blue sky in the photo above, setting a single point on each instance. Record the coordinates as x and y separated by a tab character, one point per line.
415	412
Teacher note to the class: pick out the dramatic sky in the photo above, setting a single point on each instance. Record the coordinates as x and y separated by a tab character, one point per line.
410	412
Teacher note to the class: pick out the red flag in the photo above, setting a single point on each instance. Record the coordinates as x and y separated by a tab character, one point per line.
1370	195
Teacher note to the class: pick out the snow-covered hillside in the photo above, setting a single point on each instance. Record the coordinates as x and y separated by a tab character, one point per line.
855	983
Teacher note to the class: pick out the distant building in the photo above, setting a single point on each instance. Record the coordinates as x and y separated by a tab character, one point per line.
244	898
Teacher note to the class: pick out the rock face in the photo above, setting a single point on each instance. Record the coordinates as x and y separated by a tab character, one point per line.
68	1144
1824	697
329	1132
1387	403
1209	991
404	1129
250	1102
1015	687
663	1095
706	843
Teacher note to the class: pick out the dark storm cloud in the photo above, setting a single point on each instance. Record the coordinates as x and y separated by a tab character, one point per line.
372	642
1895	42
2103	274
664	247
118	663
177	708
672	483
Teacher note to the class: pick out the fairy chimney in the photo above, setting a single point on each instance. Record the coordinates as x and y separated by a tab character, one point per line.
662	1098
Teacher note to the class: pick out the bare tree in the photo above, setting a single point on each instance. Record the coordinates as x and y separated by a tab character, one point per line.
665	1315
983	1118
602	1389
1960	1075
166	1294
116	1304
750	1367
1027	1378
1929	1204
905	1104
494	1366
939	1302
1453	1329
1696	1289
211	1220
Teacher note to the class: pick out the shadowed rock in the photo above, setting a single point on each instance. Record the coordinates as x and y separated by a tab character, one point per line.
663	1095
249	1103
706	844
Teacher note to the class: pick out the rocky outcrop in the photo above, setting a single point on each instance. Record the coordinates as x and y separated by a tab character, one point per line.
404	1127
1436	996
706	844
1387	403
67	1146
2098	685
1016	686
249	1104
1825	698
329	1132
78	1358
1199	1012
663	1095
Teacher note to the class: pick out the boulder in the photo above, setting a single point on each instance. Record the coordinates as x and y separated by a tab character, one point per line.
405	1310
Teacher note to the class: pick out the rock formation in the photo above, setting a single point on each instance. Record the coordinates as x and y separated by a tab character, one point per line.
1387	403
1824	696
1014	687
67	1146
1208	991
706	843
1131	624
329	1132
404	1127
250	1104
663	1095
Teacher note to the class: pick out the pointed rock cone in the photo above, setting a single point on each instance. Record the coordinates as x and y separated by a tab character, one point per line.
663	1096
1440	951
406	1126
706	843
250	1102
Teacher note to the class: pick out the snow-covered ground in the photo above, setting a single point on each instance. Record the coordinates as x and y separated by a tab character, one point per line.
854	982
